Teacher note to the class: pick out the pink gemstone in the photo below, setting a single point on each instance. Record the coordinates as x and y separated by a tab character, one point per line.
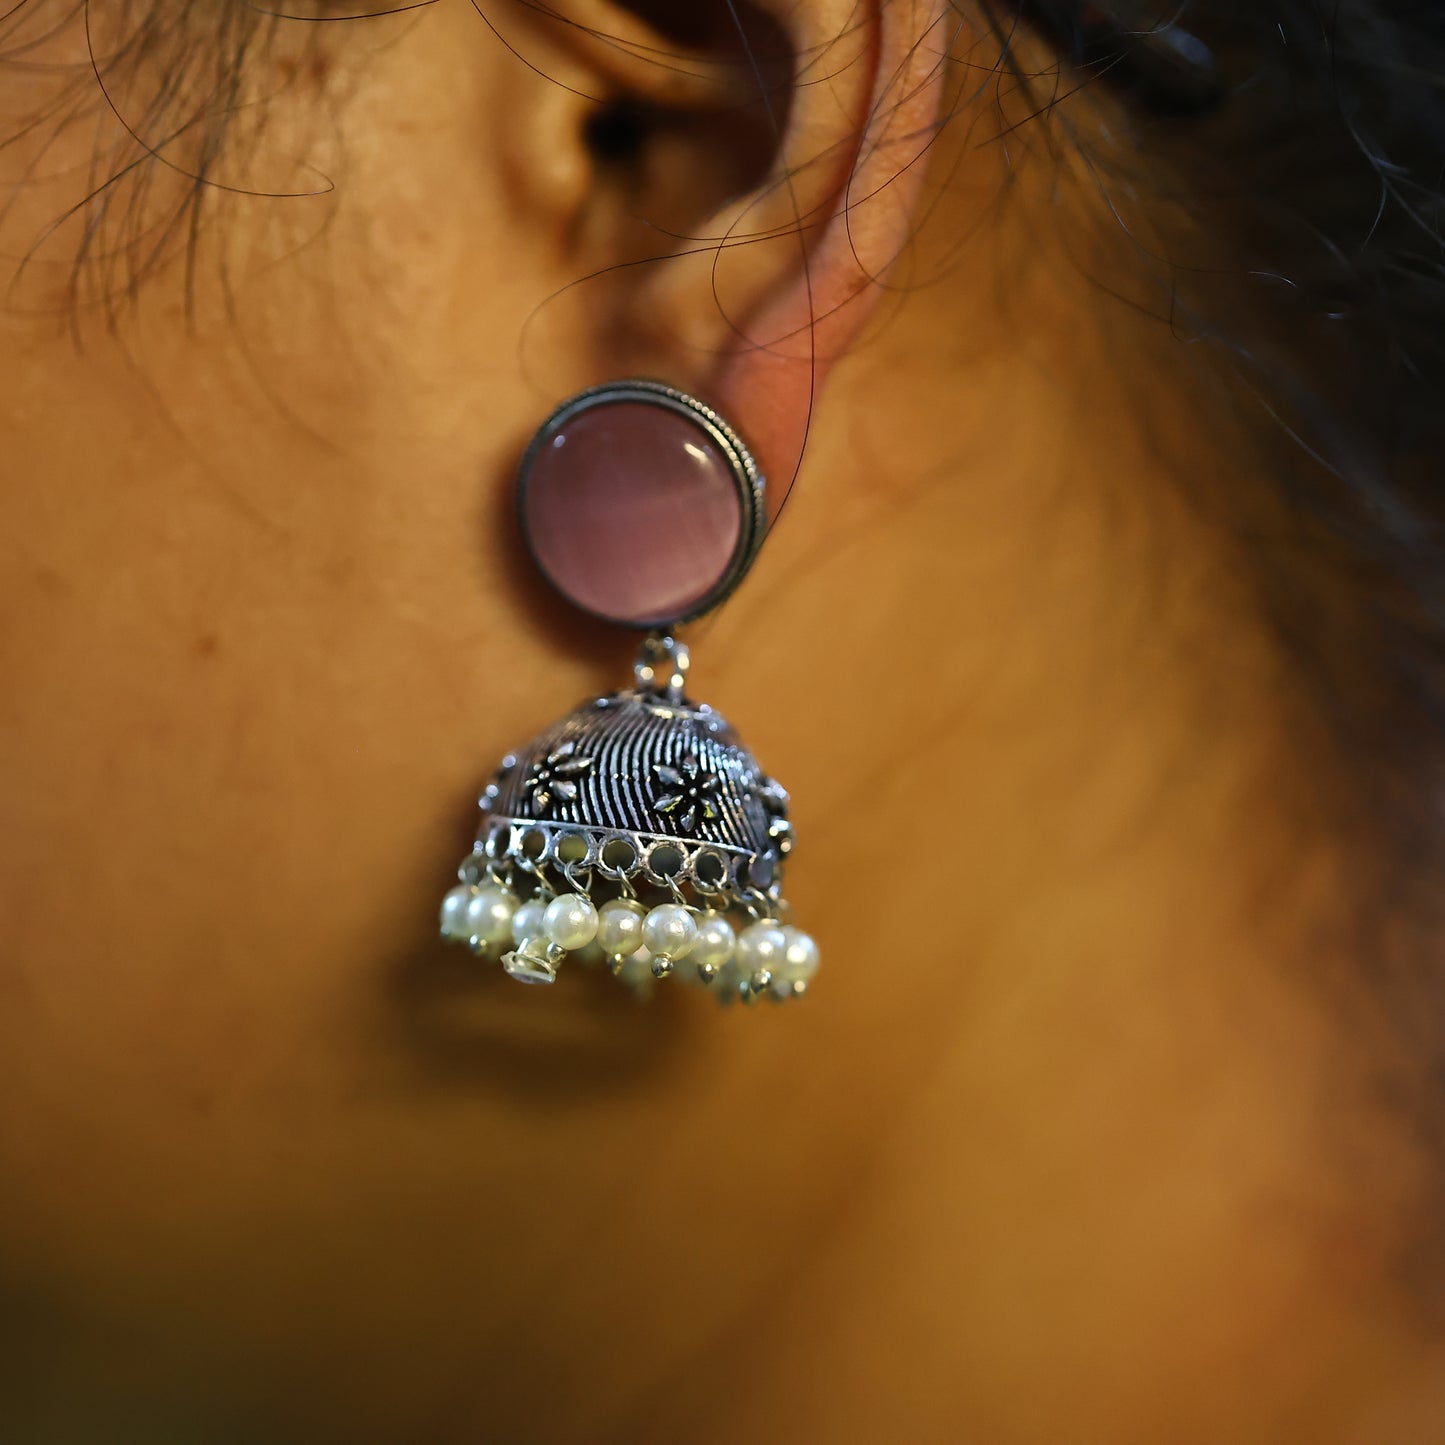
633	512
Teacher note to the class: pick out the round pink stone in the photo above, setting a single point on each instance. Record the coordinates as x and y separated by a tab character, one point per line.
633	512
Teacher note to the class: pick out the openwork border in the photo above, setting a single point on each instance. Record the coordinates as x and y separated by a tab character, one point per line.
714	871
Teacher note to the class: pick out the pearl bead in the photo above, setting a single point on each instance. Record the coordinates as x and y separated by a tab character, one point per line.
570	920
619	927
489	914
527	920
669	930
761	946
454	914
800	957
715	944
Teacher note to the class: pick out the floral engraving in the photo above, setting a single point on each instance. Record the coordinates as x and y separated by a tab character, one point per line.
553	780
686	794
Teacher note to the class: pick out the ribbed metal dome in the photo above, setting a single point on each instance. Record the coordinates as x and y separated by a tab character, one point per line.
642	785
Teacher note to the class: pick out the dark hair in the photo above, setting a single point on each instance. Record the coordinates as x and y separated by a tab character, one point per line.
1306	140
1311	138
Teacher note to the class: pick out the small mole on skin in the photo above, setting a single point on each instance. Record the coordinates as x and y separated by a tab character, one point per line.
208	645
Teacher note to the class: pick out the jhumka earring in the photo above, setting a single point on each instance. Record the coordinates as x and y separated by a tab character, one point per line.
637	831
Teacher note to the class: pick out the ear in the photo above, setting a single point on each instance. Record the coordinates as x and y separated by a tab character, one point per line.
735	178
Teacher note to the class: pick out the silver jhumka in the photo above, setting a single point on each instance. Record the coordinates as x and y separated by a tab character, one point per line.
638	832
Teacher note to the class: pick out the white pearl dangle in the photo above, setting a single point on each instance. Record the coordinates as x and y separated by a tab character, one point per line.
761	947
481	916
640	944
570	921
714	946
668	932
528	920
619	928
798	965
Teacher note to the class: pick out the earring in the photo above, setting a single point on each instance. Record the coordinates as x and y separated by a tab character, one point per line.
637	831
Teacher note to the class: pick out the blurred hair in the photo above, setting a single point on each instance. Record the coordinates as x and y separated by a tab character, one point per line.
1310	139
1306	141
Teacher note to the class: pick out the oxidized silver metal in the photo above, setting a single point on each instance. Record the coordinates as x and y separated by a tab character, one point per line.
645	789
641	794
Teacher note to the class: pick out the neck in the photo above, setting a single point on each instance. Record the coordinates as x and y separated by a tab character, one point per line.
1049	720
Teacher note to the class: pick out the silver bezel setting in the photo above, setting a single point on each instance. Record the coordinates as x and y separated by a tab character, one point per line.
746	475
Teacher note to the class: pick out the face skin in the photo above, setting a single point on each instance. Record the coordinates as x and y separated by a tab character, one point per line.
1077	1136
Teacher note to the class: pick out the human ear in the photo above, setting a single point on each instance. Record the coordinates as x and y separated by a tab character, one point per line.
734	178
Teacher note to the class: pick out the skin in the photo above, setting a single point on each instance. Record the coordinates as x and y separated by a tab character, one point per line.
1078	1136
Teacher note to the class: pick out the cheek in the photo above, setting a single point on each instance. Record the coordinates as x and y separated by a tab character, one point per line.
269	635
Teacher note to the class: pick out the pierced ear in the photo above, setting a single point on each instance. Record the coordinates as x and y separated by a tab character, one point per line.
763	154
